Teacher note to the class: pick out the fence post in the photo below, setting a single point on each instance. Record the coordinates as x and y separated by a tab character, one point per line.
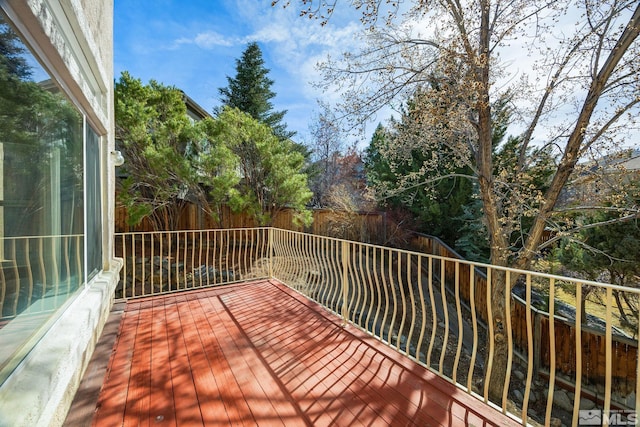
345	282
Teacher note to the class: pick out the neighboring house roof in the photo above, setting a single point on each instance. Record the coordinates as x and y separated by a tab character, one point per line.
602	177
623	160
194	110
632	163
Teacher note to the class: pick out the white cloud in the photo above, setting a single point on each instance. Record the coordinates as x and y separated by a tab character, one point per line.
296	44
273	33
207	40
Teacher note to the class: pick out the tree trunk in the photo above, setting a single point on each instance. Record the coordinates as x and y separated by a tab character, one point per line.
632	306
623	315
586	290
498	234
500	290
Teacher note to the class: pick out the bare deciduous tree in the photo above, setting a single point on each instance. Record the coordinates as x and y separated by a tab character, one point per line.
327	146
575	79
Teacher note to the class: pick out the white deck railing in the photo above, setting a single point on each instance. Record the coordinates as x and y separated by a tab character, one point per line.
36	270
397	296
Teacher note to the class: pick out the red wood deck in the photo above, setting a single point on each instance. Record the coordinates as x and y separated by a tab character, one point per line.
260	354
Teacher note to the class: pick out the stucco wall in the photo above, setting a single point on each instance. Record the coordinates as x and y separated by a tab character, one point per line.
99	17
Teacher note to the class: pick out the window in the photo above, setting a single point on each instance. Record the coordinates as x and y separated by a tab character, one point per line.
46	246
93	197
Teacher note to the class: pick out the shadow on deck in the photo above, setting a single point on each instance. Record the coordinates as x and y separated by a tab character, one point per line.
259	354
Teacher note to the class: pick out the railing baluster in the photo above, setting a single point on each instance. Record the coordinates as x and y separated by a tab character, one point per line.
530	349
212	256
199	265
79	264
184	262
234	245
285	254
55	276
445	315
345	279
175	256
402	300
361	297
193	258
27	261
133	265
43	272
578	348
552	351
392	283
125	270
3	280
608	356
298	262
247	248
226	258
356	270
16	274
460	321
161	256
269	246
434	316
143	265
173	277
337	274
423	309
412	299
152	262
317	274
474	325
67	265
490	338
376	278
509	330
371	292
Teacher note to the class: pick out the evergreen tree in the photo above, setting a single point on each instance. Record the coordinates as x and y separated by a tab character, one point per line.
415	178
12	59
154	134
271	169
250	92
38	127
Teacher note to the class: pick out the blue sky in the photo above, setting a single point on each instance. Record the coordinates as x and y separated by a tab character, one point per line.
194	44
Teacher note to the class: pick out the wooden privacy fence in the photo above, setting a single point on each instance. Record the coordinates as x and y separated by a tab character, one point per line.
624	350
369	227
192	217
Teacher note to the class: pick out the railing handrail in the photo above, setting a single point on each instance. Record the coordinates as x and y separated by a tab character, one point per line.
49	236
127	233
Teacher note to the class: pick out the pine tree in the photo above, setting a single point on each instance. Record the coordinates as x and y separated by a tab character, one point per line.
250	92
12	59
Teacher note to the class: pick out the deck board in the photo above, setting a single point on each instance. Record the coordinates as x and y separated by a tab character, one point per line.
261	354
